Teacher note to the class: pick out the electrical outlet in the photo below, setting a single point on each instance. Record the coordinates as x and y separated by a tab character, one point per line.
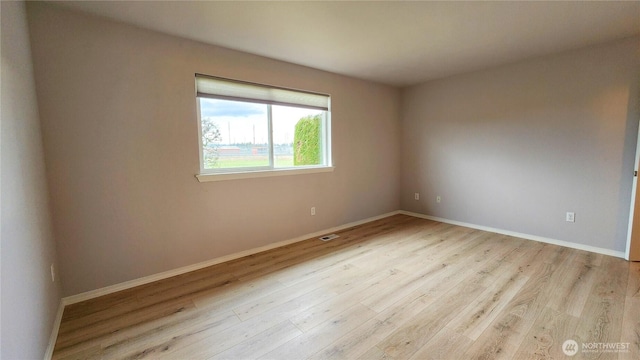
313	210
438	199
53	273
571	217
416	196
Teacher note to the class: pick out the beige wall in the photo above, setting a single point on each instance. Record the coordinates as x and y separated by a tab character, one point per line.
119	123
517	147
29	298
512	148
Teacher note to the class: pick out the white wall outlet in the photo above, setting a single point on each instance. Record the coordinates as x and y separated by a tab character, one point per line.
53	273
571	217
416	196
438	199
313	210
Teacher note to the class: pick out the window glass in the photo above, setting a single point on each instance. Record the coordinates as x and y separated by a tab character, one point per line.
250	127
235	134
297	136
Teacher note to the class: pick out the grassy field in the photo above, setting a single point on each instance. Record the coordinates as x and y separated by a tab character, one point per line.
237	162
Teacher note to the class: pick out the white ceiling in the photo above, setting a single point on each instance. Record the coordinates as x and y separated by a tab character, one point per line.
392	42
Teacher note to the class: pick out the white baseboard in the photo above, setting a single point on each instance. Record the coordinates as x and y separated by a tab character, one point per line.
167	274
593	249
185	269
54	332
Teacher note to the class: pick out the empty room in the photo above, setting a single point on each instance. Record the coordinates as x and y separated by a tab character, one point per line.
320	180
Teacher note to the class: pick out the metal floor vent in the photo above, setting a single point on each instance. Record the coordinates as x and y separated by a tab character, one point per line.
329	237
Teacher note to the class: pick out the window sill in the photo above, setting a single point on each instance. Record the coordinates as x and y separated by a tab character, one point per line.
259	174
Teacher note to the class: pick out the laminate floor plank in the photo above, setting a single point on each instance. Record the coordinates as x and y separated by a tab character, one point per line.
430	274
162	336
413	335
396	288
403	253
551	329
177	294
308	270
289	308
503	337
631	318
370	333
121	322
320	313
262	343
87	308
313	249
405	256
446	344
207	342
90	353
601	319
375	354
478	316
302	347
237	293
572	287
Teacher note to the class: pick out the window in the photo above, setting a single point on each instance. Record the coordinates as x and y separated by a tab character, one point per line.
251	128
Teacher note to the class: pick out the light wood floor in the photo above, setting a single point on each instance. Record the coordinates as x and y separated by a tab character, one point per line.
397	288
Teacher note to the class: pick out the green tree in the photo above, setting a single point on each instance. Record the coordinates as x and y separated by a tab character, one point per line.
210	137
306	141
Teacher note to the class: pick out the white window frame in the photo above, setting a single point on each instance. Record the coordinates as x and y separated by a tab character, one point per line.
269	95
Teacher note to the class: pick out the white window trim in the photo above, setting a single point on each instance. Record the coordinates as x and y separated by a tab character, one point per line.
262	173
207	175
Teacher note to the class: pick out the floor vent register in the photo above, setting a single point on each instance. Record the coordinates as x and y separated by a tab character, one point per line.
329	237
